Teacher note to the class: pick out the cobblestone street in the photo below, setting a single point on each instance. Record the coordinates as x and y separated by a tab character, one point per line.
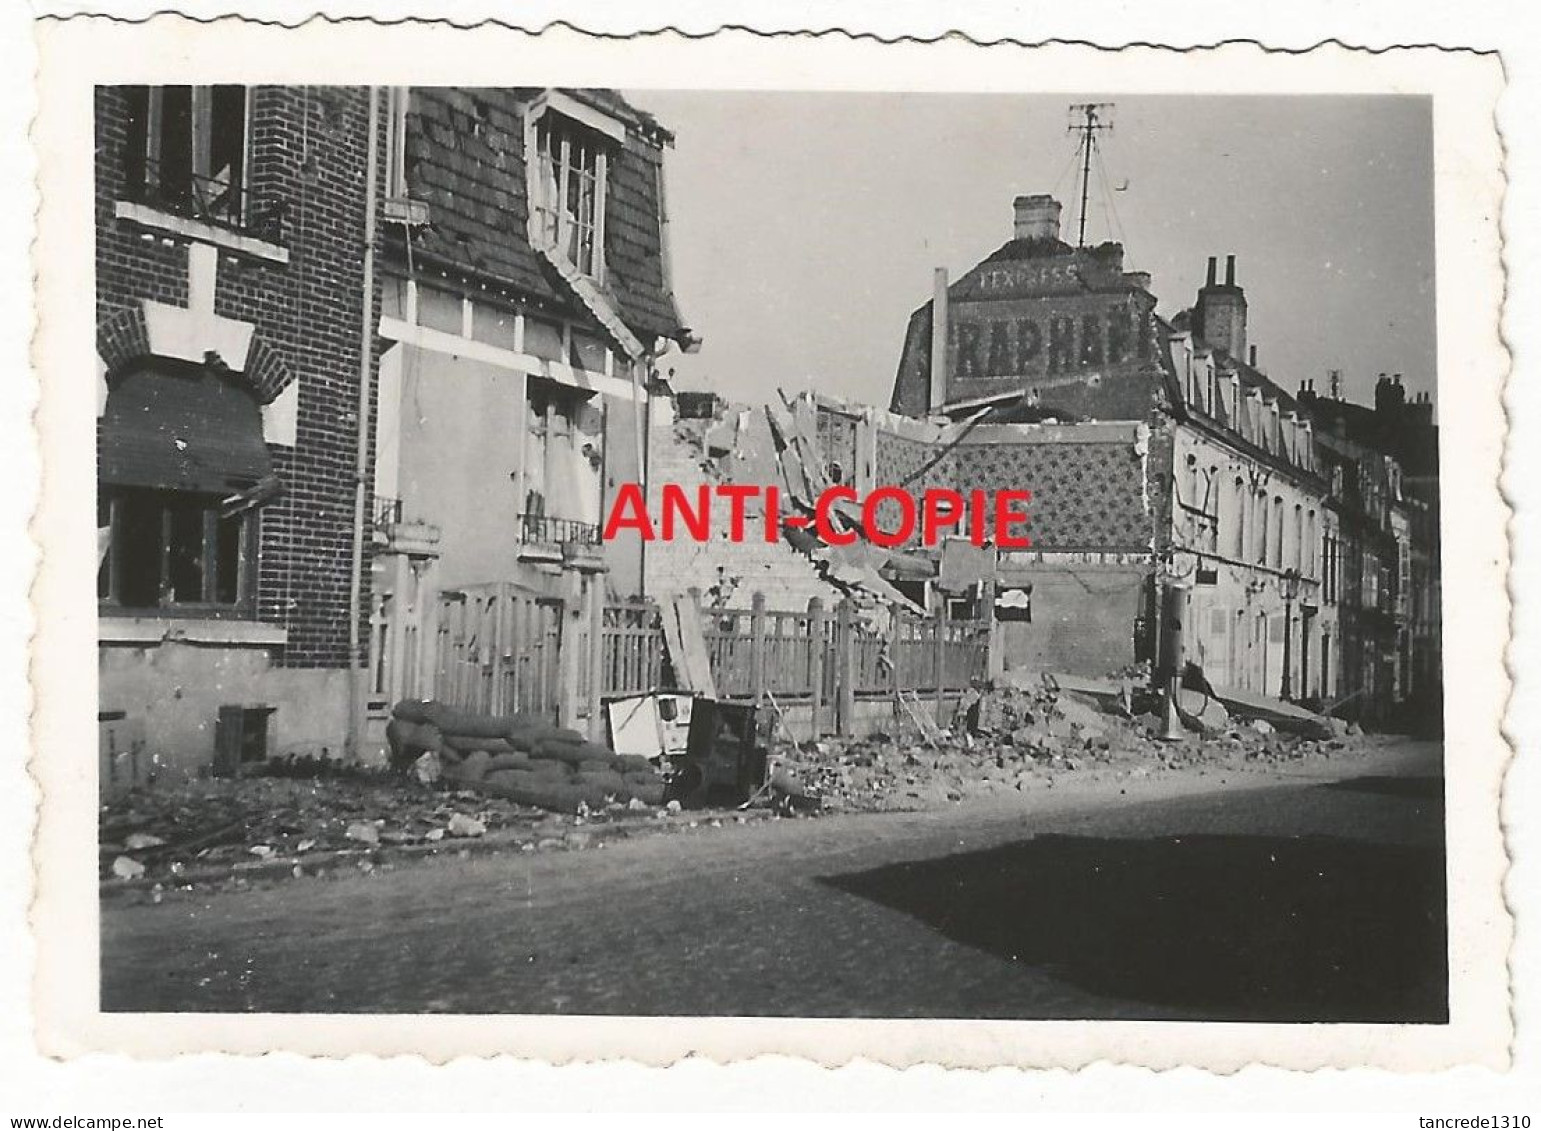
1314	894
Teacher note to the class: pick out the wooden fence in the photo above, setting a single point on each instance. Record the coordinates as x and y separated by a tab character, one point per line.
501	649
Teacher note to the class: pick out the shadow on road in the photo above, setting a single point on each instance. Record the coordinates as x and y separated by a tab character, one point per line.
1231	927
1415	789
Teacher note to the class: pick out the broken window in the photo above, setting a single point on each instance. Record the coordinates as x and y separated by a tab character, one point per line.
568	190
187	148
182	467
559	477
170	549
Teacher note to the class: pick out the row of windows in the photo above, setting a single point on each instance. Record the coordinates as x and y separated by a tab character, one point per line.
1248	526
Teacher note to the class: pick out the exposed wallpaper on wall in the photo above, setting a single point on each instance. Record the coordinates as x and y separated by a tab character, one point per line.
1086	496
899	458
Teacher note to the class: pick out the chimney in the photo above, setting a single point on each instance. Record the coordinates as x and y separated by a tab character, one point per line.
1220	315
1037	218
1252	356
1389	393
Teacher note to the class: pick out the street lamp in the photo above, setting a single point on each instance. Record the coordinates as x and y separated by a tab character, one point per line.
1291	587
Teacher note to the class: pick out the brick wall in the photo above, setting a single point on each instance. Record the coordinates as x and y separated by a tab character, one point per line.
308	160
1066	330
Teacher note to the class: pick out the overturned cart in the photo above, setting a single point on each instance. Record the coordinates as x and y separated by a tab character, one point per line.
520	757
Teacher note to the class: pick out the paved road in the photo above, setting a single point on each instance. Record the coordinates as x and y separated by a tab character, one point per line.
1318	896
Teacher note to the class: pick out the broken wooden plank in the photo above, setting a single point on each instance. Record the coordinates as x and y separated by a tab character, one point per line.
687	645
929	731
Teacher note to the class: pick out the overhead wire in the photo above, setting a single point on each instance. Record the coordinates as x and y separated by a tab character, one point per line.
1069	165
1117	224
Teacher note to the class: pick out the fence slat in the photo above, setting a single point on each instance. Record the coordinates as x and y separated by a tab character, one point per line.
499	648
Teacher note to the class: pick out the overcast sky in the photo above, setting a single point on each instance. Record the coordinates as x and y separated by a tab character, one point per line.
805	227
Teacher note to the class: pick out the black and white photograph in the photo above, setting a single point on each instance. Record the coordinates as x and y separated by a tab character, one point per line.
1177	756
680	552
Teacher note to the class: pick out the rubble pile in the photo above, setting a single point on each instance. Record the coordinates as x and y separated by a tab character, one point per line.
519	757
170	829
1021	738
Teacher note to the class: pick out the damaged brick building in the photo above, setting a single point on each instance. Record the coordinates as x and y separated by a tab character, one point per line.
231	298
322	414
1158	453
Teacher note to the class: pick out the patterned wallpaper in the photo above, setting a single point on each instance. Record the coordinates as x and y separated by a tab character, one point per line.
1086	496
899	457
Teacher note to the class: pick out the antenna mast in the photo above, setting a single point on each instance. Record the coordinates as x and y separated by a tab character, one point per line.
1088	119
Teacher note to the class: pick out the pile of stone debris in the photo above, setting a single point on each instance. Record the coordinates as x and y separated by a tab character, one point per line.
1024	736
297	823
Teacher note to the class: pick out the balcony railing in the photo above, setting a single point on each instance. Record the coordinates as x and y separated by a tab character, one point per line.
545	530
211	200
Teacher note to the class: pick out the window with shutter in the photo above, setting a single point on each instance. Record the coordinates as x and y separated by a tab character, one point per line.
182	465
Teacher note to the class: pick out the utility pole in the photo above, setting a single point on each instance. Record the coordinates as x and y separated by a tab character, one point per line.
1088	119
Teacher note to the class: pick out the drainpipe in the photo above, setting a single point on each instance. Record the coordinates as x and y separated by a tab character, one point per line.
356	670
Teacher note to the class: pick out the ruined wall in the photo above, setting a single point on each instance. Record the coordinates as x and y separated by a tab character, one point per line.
727	573
1085	618
1087	494
1088	480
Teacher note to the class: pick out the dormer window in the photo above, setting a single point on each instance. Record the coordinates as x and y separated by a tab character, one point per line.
186	150
571	144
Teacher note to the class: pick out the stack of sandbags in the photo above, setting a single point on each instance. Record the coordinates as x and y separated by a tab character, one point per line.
520	757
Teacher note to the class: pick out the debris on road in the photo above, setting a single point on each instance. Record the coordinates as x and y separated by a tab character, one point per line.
529	785
461	825
127	868
1023	733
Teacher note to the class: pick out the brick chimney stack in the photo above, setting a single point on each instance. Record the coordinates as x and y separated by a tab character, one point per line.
1221	311
1037	218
